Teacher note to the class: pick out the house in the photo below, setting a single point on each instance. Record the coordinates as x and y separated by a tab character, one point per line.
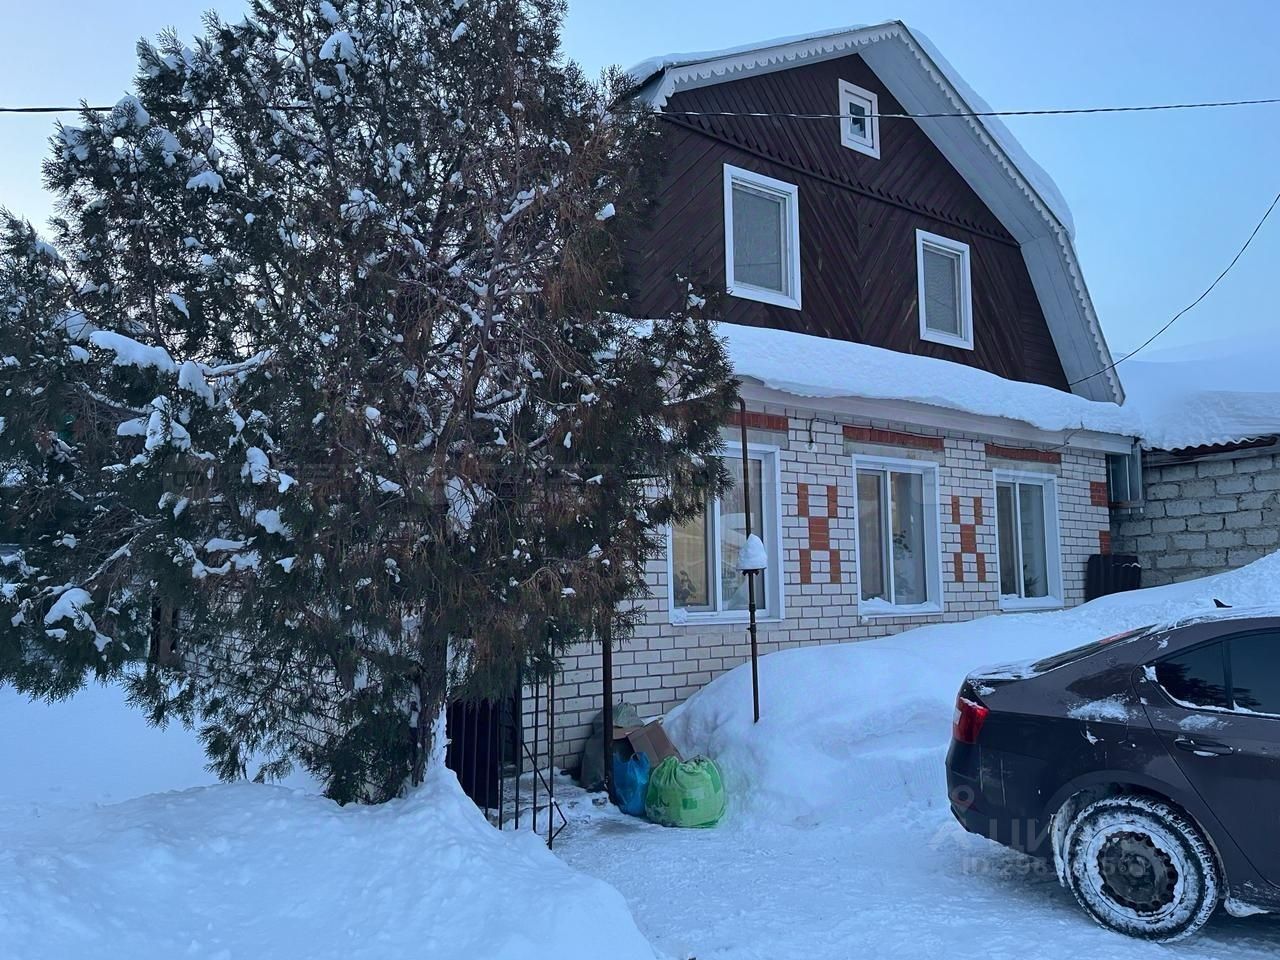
931	403
1206	498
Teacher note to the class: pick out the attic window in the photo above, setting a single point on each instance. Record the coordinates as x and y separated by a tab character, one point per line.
945	292
861	131
762	238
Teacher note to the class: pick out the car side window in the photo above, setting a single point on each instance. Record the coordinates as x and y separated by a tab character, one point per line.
1255	672
1197	678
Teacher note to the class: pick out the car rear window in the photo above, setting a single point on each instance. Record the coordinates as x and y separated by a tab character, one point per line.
1197	678
1079	653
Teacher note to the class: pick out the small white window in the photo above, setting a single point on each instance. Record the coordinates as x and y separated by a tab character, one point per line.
705	580
860	130
1029	555
944	289
899	552
761	238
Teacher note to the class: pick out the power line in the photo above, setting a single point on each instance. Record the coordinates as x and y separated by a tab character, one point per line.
1207	291
1046	112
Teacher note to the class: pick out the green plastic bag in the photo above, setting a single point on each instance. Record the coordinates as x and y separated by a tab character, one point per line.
688	794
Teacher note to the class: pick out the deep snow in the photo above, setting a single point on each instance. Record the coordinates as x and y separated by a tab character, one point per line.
236	871
839	842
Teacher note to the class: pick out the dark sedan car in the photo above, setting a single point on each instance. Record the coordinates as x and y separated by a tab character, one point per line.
1147	765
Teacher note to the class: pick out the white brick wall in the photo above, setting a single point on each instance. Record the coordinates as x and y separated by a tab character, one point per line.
664	663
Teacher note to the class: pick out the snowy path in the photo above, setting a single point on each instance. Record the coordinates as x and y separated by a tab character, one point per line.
908	883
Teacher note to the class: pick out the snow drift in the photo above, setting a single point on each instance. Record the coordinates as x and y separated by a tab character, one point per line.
860	724
244	870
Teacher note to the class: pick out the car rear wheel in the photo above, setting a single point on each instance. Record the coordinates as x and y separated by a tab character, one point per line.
1142	868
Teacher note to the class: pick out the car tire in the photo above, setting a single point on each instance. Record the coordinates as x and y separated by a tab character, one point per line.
1140	867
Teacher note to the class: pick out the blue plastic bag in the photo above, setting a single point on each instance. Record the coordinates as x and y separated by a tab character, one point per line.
631	783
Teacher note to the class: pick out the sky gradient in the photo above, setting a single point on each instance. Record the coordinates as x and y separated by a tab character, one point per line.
1161	201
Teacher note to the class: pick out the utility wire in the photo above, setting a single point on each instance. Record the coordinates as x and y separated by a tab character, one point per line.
1207	291
1059	111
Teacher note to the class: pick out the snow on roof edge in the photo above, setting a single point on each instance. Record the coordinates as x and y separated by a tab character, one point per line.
819	368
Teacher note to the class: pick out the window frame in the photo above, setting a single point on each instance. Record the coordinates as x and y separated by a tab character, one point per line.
960	250
1048	482
1133	480
870	146
770	465
790	194
929	471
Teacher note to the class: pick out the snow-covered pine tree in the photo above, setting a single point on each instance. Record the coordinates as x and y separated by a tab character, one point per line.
321	409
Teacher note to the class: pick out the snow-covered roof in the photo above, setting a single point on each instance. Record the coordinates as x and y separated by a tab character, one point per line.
815	367
1207	393
982	149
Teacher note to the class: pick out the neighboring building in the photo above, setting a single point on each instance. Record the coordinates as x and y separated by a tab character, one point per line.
931	399
1207	496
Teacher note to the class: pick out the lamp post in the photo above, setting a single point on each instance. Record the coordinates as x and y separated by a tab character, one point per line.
753	560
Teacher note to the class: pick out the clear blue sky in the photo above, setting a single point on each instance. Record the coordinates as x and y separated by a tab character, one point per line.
1161	201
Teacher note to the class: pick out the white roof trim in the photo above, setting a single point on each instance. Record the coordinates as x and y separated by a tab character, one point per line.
1044	235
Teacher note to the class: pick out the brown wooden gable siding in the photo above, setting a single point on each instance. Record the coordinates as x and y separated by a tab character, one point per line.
858	219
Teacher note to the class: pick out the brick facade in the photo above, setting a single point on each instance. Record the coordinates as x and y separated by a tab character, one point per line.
1203	517
664	663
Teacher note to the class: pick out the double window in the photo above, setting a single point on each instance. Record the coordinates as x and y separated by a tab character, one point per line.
1240	674
860	128
898	547
762	238
944	290
705	576
1027	538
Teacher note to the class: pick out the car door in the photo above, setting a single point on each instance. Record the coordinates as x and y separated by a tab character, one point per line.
1218	714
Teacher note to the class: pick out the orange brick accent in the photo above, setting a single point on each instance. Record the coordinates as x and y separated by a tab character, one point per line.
892	438
968	541
818	528
1104	541
758	421
1098	495
1023	453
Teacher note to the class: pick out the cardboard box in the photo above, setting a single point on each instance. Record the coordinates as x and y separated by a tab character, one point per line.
650	739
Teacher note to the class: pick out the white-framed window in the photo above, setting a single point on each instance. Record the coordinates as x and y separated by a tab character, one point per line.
899	553
761	238
861	129
945	290
1029	553
705	580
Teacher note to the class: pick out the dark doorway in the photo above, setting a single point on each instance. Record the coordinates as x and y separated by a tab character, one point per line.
484	747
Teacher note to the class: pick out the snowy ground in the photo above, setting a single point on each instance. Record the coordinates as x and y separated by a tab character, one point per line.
251	872
839	840
837	843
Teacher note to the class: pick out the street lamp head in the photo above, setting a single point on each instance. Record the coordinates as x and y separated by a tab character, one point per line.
753	558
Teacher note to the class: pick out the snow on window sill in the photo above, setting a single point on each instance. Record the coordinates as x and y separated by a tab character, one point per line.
882	608
682	618
1011	602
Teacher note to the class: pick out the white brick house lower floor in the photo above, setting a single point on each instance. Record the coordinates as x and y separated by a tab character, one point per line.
873	526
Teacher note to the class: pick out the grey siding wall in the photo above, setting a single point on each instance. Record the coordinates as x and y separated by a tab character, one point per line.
1204	517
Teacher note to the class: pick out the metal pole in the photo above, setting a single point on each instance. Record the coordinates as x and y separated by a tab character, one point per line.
606	665
551	758
751	575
